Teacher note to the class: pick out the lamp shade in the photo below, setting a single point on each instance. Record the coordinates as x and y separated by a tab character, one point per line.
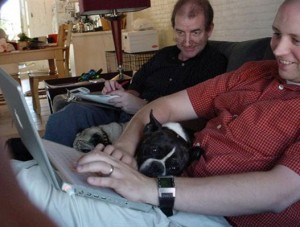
94	7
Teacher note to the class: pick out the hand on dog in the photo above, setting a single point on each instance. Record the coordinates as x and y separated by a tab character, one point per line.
118	154
128	102
125	180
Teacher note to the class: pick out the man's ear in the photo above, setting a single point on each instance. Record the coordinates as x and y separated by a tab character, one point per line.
210	29
153	125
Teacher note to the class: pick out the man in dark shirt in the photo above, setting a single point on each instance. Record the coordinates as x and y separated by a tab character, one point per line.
165	73
192	60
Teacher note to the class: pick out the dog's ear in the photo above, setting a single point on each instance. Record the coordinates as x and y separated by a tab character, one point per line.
153	125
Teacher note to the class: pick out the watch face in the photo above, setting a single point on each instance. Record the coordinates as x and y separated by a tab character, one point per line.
166	182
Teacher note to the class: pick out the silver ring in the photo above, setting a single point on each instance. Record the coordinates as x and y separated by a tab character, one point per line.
112	168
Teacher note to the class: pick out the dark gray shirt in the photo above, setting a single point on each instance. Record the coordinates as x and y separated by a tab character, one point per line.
165	74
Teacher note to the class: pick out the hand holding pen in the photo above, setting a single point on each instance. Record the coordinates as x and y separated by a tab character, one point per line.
112	85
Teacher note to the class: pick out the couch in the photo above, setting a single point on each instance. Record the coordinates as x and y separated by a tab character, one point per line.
238	53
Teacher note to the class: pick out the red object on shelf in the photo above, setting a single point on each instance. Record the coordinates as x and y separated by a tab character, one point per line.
105	6
53	37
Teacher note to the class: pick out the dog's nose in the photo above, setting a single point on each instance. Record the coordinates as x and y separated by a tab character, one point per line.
153	169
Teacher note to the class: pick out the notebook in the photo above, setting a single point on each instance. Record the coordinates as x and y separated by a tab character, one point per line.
55	160
96	99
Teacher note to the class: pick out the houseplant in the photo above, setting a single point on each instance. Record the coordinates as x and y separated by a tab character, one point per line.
23	41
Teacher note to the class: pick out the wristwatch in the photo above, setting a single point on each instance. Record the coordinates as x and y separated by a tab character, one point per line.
166	194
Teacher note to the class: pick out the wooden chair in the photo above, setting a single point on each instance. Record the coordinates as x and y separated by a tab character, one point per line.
64	40
11	69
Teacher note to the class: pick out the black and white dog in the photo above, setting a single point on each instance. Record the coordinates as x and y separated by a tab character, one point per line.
165	149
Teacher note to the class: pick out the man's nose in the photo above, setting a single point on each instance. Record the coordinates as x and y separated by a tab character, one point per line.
282	47
187	39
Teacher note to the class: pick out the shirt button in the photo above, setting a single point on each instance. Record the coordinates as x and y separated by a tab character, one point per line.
219	126
281	87
182	64
170	79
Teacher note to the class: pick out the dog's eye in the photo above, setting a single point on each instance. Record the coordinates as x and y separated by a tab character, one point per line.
154	150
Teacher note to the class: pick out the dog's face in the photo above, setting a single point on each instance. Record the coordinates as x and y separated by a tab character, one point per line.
164	149
89	138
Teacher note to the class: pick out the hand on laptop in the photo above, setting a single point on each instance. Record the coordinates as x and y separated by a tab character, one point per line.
115	174
119	154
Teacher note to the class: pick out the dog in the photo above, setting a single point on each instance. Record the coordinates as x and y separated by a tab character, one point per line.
165	149
86	140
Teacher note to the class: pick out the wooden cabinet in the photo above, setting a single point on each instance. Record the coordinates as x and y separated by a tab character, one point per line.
88	51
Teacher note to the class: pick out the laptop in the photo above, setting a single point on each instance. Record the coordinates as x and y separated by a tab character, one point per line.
55	160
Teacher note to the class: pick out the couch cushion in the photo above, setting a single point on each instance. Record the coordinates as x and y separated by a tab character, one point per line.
238	53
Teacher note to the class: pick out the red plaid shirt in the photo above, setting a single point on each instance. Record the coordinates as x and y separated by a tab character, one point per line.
254	124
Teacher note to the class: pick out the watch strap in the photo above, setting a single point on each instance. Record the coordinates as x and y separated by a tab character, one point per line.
166	190
167	208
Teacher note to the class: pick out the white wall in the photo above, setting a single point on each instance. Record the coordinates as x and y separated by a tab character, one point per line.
40	14
235	20
160	16
45	16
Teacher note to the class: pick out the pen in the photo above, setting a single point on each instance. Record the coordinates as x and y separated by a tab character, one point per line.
124	83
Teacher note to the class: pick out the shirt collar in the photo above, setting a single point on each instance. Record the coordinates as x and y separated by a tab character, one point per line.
292	83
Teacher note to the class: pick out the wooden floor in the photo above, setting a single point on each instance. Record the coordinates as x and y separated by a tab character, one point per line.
7	127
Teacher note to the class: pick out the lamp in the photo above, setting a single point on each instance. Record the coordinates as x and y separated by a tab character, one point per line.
113	11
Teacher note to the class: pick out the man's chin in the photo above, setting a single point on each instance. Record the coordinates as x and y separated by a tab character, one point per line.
285	75
189	54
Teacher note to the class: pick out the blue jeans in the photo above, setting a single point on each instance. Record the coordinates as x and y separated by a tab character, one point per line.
63	125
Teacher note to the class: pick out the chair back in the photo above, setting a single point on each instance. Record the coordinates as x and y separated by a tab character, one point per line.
64	40
64	35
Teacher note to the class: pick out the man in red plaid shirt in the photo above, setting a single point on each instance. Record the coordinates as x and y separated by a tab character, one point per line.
249	174
250	170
